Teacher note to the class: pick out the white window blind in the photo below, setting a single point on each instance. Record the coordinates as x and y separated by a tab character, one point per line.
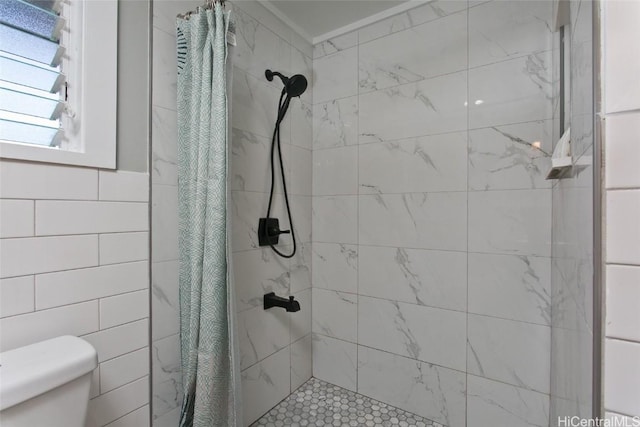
30	75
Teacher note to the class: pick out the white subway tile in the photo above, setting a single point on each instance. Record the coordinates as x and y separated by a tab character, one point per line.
124	186
623	302
124	308
19	257
113	405
141	417
622	63
622	144
120	340
16	218
622	376
67	287
117	372
16	296
124	247
21	180
70	217
623	227
76	319
94	391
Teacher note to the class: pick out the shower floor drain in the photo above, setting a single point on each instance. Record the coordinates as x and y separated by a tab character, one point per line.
317	403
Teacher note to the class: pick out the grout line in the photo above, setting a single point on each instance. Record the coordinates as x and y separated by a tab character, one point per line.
127	414
466	344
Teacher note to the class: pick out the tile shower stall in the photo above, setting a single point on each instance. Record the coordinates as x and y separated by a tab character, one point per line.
438	272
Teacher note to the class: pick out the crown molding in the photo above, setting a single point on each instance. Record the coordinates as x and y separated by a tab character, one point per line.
284	18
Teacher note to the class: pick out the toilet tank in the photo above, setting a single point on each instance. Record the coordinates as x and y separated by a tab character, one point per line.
46	384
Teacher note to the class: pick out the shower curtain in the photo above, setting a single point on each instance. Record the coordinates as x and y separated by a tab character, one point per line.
210	368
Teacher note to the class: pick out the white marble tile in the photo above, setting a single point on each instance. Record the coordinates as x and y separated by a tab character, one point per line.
335	76
335	171
164	299
423	164
170	419
516	353
431	391
164	152
510	222
423	277
257	272
300	268
572	365
335	314
302	45
416	220
250	167
428	107
265	17
335	44
335	123
301	115
499	404
165	71
265	384
165	11
513	91
300	176
505	157
503	30
335	361
385	27
300	321
247	208
522	282
165	359
258	48
335	267
164	218
301	364
261	333
424	333
301	210
255	105
399	58
335	219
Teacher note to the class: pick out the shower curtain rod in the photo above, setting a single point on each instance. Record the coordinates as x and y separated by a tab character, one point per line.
208	4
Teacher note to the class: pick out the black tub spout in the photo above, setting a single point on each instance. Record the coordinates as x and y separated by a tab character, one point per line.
272	300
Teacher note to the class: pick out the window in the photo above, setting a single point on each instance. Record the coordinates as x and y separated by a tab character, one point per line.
58	81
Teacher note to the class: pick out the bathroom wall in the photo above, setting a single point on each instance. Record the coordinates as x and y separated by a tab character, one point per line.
431	215
621	110
275	346
572	235
74	251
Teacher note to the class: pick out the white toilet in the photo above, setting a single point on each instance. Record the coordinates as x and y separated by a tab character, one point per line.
46	384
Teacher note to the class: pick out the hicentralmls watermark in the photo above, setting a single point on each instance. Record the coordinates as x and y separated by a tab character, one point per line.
598	422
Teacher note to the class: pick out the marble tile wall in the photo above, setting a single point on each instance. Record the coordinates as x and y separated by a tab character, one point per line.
275	346
432	133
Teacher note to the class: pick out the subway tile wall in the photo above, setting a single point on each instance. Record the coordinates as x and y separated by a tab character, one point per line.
622	210
275	346
431	215
74	251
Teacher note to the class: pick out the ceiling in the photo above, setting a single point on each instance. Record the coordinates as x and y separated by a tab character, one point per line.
318	17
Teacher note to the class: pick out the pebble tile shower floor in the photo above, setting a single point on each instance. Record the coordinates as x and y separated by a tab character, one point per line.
317	403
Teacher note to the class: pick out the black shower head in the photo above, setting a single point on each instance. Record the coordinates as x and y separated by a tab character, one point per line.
294	85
